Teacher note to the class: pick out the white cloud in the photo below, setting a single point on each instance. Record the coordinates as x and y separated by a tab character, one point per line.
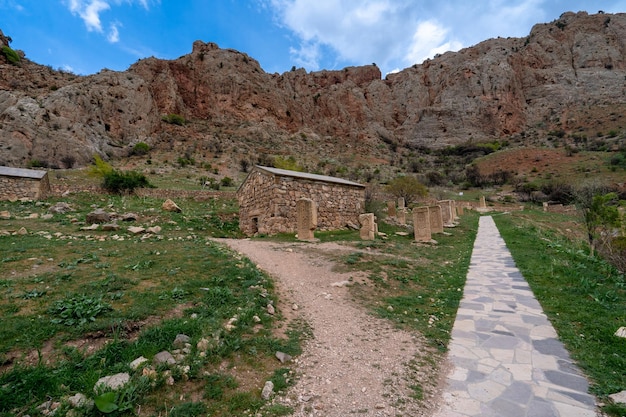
430	38
114	34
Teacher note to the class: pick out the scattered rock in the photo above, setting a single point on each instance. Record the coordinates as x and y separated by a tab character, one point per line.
203	345
94	226
169	205
136	230
113	382
621	332
283	357
110	227
47	216
181	340
402	233
164	357
5	215
150	373
138	362
60	208
78	400
154	230
295	307
256	319
33	216
268	390
340	284
169	379
98	216
22	231
619	397
271	310
129	217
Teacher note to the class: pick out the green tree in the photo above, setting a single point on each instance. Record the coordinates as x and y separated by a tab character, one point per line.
599	209
407	187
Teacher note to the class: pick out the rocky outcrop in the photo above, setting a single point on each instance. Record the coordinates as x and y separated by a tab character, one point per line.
566	75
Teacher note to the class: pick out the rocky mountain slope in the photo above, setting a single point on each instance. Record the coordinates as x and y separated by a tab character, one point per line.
566	76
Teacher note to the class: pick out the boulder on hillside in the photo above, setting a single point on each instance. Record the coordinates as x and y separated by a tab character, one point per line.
169	205
98	216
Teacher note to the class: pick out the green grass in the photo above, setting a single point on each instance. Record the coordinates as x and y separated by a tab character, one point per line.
61	285
583	296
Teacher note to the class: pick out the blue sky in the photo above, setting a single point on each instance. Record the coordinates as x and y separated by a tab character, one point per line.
85	36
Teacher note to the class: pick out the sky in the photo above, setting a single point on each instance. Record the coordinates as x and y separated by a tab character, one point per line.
86	36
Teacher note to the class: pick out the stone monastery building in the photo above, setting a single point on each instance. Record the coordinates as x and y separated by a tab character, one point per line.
18	183
268	196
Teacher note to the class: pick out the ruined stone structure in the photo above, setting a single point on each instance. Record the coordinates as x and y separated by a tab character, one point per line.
268	198
18	183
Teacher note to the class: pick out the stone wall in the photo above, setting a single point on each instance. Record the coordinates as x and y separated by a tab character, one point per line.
13	188
267	203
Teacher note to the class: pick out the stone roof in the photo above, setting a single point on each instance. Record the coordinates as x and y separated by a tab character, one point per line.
307	176
22	173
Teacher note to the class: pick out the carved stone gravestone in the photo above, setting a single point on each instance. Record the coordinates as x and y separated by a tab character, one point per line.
421	224
368	226
307	218
391	208
401	216
446	212
483	203
436	221
401	203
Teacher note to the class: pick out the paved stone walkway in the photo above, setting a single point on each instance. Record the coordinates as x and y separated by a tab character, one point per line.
507	360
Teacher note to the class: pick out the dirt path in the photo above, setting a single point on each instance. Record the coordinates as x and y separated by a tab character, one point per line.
355	363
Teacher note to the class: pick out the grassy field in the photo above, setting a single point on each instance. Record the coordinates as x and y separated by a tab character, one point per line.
583	296
78	305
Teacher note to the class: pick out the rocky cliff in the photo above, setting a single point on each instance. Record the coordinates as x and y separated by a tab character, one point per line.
568	75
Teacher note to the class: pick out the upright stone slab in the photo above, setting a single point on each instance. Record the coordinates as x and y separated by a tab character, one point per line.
459	210
421	224
436	221
455	214
401	216
307	218
368	226
391	208
446	212
483	203
401	203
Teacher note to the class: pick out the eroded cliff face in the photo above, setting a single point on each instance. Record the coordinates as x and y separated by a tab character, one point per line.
566	75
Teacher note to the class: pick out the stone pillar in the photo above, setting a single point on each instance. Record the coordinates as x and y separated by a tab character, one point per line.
421	224
368	226
455	216
446	212
545	206
401	204
483	203
391	208
436	221
307	218
459	210
401	216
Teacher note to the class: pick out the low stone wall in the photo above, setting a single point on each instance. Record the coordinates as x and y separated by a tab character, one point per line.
197	195
13	188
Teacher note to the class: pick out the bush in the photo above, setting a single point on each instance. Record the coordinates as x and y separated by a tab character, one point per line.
140	149
120	182
10	55
226	182
174	119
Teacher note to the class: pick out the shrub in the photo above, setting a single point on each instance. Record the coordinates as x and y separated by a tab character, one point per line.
78	310
140	149
174	119
10	55
120	182
226	182
68	161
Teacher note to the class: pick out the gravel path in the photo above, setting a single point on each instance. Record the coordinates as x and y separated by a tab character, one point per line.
355	363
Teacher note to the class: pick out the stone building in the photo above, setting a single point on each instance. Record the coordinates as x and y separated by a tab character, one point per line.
268	197
18	183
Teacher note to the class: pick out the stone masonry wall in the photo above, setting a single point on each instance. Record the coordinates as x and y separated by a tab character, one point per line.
267	203
12	188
